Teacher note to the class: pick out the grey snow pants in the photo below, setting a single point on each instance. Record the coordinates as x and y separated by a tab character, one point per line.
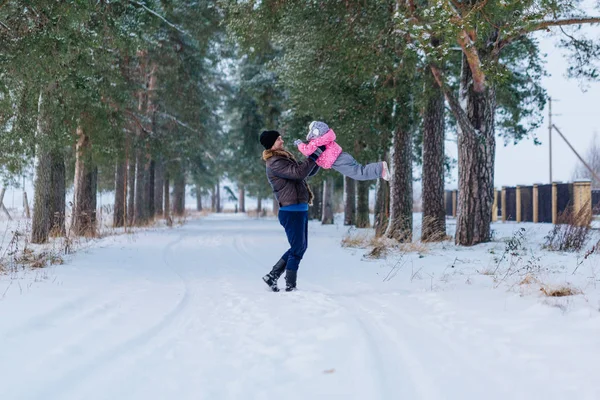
348	166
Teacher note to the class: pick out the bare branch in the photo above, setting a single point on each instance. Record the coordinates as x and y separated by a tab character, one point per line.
539	26
457	6
473	59
412	6
178	122
136	119
477	8
460	114
563	22
470	50
166	21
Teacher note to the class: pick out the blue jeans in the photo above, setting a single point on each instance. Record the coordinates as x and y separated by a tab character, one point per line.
295	224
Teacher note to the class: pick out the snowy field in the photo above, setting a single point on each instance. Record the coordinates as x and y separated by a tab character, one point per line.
182	313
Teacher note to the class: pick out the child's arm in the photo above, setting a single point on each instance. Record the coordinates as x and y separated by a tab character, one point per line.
307	148
324	140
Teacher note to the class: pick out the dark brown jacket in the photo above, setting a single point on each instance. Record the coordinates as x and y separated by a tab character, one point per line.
287	177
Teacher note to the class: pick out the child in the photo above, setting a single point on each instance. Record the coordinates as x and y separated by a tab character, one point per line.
320	135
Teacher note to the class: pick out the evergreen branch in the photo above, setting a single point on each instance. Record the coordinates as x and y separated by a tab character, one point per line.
114	106
546	25
2	23
166	21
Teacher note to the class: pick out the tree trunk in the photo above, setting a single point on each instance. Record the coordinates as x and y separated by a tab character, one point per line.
131	174
434	213
151	163
198	198
362	209
316	211
242	199
120	209
94	197
141	191
58	193
349	201
42	203
382	207
218	196
401	194
476	156
159	183
151	190
258	206
42	200
167	197
179	192
84	199
327	201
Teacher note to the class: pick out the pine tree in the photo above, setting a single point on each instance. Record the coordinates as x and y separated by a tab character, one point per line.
500	70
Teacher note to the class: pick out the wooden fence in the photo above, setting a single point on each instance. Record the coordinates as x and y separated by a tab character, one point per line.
539	202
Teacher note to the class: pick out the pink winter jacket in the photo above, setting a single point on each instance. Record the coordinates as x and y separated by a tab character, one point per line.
331	153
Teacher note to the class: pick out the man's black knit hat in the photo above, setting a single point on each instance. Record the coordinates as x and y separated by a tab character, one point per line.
268	138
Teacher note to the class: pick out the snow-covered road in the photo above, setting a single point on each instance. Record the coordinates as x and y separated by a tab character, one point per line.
183	314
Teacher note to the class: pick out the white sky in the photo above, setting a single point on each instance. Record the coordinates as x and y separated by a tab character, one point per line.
579	118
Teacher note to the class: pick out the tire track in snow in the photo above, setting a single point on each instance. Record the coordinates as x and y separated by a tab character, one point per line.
473	342
391	345
42	321
75	377
400	363
375	353
399	369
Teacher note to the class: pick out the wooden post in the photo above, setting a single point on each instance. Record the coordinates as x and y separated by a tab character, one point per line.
536	218
518	202
454	201
495	207
2	204
504	215
446	196
582	202
26	206
554	203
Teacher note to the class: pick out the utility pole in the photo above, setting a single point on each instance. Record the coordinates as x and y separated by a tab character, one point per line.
594	175
550	134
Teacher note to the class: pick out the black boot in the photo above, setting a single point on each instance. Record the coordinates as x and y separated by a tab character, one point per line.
290	280
272	277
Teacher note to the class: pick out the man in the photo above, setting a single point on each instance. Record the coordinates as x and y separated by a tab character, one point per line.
287	177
